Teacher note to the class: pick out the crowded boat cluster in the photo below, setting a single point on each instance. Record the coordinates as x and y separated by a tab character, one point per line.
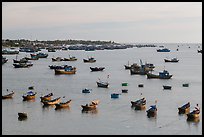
134	69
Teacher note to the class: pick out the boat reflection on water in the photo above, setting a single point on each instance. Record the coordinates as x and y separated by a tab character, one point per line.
63	109
93	111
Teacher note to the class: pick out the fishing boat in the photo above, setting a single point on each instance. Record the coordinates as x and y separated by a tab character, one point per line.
163	50
4	60
193	115
9	52
33	57
128	66
141	101
52	102
8	96
124	84
166	87
51	50
63	104
31	87
23	60
162	75
184	109
141	69
57	59
67	70
124	90
22	65
97	68
199	51
46	97
152	111
115	95
71	58
185	85
102	84
171	60
86	90
22	115
29	95
89	60
58	66
42	55
90	106
140	85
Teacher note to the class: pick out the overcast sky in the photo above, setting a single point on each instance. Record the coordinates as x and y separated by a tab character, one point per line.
124	22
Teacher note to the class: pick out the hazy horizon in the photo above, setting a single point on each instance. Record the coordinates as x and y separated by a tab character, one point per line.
121	22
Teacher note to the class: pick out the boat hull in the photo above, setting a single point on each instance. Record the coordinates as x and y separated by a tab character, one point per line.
102	85
52	102
60	71
8	96
150	76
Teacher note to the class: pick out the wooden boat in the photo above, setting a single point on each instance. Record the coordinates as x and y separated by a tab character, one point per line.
124	90
193	115
51	50
57	59
46	97
128	66
162	75
124	84
23	60
140	106
22	65
199	51
184	109
171	60
63	104
90	106
89	60
22	115
4	60
9	52
152	111
139	72
140	85
166	87
42	55
67	70
8	96
115	95
31	87
102	84
58	66
52	102
185	85
71	58
141	101
86	90
141	69
33	57
163	50
97	68
29	95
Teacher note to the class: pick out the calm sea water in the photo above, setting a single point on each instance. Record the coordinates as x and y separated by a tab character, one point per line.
113	116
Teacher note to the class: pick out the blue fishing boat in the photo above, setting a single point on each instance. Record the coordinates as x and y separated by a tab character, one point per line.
162	75
163	50
115	95
152	111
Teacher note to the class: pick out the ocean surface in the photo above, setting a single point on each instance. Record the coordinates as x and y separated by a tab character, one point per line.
113	116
